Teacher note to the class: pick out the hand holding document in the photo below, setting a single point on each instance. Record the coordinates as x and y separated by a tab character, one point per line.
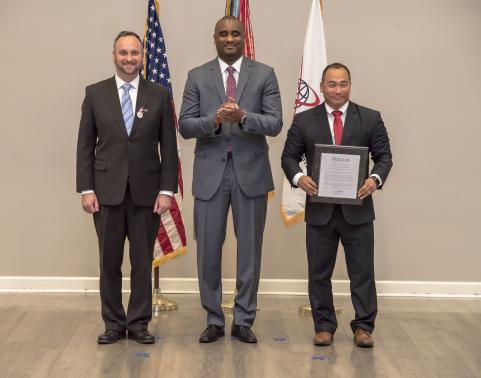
339	172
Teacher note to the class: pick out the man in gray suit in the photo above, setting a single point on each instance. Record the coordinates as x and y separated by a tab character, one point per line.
229	105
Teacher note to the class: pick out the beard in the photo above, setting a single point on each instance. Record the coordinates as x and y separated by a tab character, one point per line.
128	68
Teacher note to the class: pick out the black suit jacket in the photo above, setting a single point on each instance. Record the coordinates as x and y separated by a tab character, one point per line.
363	127
108	158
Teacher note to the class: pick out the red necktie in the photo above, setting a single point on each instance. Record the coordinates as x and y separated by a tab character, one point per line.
337	126
230	92
230	85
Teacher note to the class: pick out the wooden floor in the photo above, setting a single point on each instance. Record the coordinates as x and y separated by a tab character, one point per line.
54	335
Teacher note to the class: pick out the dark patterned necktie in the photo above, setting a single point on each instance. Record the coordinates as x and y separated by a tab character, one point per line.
337	126
230	86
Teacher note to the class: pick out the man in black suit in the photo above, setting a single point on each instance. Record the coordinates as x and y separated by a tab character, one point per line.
125	184
339	121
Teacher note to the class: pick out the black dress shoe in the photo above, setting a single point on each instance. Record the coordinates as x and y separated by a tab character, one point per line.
243	333
142	336
211	333
110	336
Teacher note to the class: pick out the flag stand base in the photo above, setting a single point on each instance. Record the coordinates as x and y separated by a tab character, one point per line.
305	309
160	303
228	305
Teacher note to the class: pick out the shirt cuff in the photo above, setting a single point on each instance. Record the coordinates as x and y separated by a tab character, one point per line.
377	176
296	178
167	193
86	192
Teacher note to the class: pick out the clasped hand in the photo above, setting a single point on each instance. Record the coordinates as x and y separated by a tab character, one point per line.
229	112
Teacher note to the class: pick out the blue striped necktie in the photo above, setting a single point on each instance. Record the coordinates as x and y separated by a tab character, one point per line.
127	108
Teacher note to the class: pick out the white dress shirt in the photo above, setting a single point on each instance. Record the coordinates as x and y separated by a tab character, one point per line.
133	97
223	69
330	119
132	92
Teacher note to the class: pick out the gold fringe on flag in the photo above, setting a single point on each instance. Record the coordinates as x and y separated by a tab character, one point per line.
227	7
290	220
172	255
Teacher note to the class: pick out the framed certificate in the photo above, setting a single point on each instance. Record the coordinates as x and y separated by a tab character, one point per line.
339	172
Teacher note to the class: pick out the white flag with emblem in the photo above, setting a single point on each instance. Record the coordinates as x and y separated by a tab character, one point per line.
308	95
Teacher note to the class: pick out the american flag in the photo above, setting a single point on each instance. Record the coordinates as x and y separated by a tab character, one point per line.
240	9
171	240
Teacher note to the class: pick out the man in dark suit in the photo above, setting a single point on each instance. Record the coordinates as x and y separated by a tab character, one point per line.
125	184
229	105
339	121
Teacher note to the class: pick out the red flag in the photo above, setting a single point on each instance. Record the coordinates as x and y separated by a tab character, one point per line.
240	9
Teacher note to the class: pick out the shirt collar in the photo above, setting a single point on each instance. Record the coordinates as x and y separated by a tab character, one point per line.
343	108
224	65
120	82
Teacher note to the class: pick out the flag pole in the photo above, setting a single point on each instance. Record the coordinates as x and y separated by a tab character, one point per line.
314	80
242	12
155	69
160	303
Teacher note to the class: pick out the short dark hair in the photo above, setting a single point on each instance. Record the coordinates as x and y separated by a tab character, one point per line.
335	66
229	18
127	33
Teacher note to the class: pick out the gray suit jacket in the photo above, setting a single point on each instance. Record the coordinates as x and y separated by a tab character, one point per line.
257	93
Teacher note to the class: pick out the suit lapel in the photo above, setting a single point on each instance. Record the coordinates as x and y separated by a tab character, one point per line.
142	98
216	77
351	123
325	135
245	71
114	104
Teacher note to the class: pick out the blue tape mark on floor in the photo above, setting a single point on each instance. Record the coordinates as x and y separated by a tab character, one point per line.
142	354
320	358
279	339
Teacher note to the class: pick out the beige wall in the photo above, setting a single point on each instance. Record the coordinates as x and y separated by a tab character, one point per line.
416	61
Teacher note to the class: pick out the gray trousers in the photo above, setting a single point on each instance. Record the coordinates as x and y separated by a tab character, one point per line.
210	219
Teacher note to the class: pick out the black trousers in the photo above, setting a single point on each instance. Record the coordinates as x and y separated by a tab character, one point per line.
322	244
140	225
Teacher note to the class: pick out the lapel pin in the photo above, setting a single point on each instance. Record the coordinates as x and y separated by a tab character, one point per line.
141	111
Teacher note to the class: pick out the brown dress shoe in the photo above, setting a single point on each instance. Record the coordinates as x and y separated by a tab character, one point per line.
363	338
323	338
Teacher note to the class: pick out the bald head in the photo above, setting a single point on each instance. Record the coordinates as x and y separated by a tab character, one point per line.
228	18
229	39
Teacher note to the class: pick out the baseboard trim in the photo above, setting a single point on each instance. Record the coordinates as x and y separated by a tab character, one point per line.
21	284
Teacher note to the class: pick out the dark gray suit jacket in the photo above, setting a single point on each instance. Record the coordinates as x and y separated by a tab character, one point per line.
257	93
108	158
363	127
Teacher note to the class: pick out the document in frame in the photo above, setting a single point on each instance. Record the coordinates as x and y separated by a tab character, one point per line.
339	172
